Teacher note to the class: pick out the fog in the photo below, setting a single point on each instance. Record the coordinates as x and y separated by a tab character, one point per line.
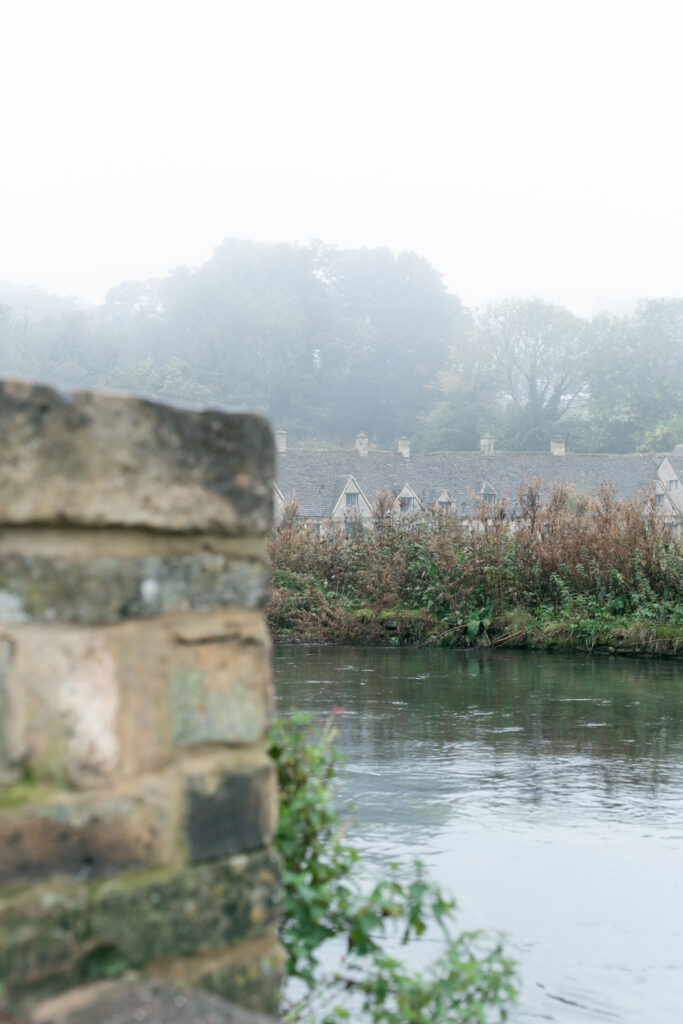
329	342
525	148
432	220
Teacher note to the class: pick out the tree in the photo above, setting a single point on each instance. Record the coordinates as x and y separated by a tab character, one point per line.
519	372
325	341
536	355
465	410
636	377
395	323
175	380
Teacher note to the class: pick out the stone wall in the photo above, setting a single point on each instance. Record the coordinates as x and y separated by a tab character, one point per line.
137	802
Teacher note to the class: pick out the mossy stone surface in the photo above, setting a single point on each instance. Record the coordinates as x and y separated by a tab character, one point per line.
205	907
220	693
42	935
104	591
82	835
12	740
256	984
57	934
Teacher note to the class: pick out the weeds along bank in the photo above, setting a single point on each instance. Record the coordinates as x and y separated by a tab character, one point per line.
579	571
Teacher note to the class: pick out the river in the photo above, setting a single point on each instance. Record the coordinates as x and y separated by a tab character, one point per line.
545	791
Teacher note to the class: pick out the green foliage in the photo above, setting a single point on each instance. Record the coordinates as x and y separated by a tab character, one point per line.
325	899
316	860
528	369
103	962
175	380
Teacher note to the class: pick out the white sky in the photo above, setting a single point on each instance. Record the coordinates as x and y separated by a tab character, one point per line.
525	147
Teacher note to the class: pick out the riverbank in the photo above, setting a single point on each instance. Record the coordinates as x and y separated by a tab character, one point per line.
308	614
586	573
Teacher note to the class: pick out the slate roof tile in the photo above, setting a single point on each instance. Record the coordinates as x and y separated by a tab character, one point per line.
317	478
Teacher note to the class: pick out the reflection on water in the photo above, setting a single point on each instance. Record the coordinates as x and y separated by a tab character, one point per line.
546	791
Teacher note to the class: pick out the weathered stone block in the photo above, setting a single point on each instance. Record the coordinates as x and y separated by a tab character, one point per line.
220	693
151	1002
88	835
86	707
177	925
205	907
69	684
245	626
134	690
155	659
110	460
101	591
43	933
250	975
144	657
229	807
12	719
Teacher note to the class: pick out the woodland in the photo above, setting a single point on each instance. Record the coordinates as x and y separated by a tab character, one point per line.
327	342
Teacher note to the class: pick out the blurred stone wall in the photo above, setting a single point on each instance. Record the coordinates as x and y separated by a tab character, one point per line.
137	802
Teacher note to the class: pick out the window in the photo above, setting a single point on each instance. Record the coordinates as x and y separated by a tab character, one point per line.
672	485
353	528
489	497
659	499
406	505
445	506
352	499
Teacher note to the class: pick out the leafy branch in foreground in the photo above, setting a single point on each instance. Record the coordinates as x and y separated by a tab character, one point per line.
324	899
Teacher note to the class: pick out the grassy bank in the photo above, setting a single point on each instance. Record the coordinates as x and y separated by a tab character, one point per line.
578	572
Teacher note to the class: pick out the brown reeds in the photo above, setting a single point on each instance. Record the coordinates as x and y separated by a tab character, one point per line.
573	556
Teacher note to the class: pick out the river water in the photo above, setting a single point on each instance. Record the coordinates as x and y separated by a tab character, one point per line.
545	791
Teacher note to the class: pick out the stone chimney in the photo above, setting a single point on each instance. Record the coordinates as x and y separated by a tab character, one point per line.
486	444
135	692
281	441
404	447
557	446
362	444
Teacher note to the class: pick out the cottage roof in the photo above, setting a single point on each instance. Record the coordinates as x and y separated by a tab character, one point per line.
317	478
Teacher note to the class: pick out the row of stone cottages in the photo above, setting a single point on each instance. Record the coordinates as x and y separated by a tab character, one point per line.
342	485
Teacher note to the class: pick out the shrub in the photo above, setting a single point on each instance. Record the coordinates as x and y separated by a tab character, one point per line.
469	983
591	556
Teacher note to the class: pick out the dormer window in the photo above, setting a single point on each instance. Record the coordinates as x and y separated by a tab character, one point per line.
488	494
444	503
352	499
406	504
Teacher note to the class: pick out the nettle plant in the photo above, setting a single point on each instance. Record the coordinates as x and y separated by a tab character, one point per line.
471	982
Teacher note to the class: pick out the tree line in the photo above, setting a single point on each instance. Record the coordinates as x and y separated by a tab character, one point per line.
328	342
